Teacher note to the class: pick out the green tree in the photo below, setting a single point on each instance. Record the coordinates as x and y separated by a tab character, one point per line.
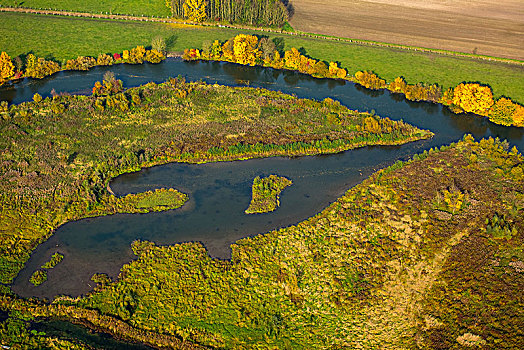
158	43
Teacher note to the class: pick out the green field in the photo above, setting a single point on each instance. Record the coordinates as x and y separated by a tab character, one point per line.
155	8
64	37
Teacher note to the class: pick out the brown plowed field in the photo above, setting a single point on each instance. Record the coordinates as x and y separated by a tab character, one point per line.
484	27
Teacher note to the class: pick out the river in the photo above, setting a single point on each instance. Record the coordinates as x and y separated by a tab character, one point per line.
220	192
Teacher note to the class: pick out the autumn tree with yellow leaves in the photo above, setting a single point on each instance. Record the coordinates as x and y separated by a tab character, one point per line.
336	71
292	59
370	80
195	10
473	97
507	112
245	49
38	67
399	85
7	69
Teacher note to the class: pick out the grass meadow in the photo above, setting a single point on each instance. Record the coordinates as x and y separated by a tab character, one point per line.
155	8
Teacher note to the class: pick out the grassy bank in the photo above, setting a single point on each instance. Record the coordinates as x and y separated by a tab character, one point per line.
59	37
59	154
421	254
157	8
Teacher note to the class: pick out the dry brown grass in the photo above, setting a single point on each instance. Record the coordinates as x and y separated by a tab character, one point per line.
493	28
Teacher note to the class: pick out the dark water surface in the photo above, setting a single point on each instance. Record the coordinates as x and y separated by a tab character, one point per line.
220	192
69	331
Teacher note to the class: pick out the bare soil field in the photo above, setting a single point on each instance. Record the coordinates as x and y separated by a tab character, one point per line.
484	27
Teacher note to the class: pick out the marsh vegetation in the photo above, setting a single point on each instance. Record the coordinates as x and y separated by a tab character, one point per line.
388	264
51	175
266	192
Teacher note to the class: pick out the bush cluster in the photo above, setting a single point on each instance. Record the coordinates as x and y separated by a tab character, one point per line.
266	192
252	50
38	67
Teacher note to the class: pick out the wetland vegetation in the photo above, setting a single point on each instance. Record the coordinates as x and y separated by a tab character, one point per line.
40	276
388	264
55	259
392	258
462	191
60	153
424	254
266	192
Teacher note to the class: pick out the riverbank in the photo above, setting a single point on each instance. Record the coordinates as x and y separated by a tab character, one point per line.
249	50
415	66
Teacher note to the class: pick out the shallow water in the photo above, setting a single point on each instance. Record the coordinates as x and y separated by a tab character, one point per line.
220	192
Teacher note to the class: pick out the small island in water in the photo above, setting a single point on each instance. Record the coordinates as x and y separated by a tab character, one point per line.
266	192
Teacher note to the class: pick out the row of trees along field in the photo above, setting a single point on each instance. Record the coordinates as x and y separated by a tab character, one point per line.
251	50
271	13
38	67
467	97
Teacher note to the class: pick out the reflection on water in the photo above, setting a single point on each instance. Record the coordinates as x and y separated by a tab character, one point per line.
369	92
220	192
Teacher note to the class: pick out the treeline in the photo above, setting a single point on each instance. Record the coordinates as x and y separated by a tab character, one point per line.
252	50
38	67
464	98
269	13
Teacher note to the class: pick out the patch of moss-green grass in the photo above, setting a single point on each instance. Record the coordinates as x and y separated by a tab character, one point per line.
266	192
69	37
156	8
38	277
159	199
55	259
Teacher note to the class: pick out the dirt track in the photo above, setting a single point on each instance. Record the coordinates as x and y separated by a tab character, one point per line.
484	27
